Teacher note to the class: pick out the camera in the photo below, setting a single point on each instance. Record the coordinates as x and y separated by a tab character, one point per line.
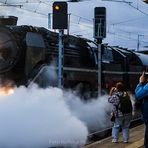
146	74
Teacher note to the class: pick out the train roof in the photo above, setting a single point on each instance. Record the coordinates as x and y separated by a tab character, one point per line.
142	55
143	58
143	51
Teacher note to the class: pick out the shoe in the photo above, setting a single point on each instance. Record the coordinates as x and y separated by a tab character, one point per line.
125	141
114	141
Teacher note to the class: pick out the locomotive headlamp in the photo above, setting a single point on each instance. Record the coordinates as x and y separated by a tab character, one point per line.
4	91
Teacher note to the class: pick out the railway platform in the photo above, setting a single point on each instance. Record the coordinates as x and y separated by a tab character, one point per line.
136	140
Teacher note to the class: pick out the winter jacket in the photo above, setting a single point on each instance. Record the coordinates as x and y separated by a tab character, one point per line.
114	99
141	92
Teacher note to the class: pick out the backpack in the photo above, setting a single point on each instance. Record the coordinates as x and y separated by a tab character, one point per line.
125	104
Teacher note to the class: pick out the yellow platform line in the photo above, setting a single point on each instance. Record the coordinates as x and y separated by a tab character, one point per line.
136	144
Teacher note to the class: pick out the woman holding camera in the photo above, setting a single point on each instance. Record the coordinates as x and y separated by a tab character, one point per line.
121	120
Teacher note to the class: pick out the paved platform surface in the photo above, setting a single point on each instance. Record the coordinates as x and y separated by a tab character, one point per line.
136	140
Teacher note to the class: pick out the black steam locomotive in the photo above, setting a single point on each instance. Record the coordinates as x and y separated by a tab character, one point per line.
27	53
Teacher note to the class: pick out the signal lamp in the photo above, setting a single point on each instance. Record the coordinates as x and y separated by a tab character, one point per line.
60	16
57	7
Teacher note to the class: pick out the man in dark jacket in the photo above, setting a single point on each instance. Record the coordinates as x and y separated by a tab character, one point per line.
141	93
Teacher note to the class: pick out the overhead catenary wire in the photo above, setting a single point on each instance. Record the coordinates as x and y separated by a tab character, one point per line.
128	38
116	34
80	18
146	14
31	2
33	11
134	7
119	1
129	32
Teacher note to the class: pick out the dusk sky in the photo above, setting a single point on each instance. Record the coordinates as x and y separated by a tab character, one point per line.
126	20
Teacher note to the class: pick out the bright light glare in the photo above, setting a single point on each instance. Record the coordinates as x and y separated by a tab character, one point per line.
6	91
57	7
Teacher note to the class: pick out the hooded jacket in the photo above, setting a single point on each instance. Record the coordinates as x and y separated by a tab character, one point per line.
141	93
115	100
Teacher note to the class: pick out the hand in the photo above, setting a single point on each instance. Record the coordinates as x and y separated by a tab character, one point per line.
112	113
113	89
142	79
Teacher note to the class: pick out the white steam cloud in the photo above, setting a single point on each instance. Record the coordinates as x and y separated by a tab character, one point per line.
95	113
35	118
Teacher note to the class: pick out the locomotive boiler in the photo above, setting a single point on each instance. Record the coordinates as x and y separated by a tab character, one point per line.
27	52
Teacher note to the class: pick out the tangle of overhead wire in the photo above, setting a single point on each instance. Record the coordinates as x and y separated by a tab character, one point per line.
136	8
80	18
127	39
112	33
27	2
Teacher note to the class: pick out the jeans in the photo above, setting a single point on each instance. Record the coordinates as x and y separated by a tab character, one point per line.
146	136
124	123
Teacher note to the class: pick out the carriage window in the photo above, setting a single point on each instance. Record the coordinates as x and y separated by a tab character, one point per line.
107	55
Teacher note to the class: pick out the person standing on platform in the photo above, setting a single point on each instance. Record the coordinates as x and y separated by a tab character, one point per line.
141	93
123	115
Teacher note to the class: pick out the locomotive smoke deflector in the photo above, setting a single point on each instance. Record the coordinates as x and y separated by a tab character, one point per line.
8	20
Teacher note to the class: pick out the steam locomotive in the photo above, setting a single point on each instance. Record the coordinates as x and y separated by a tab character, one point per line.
27	53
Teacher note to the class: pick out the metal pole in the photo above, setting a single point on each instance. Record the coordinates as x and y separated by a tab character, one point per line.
68	24
49	20
60	60
138	43
99	41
